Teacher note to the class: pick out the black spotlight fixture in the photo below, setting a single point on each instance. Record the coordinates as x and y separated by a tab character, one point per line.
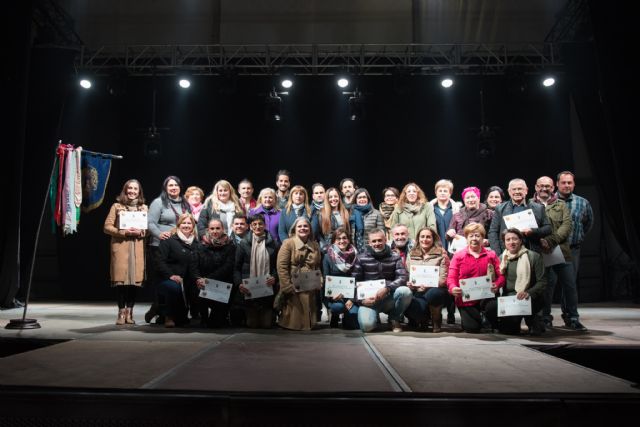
152	143
356	106
486	142
273	106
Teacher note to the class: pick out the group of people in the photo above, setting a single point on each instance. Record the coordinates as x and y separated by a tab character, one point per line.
229	237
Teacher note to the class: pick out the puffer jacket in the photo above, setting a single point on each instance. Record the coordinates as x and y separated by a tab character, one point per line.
384	265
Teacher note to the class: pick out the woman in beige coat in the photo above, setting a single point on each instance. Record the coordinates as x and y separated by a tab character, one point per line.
298	253
127	250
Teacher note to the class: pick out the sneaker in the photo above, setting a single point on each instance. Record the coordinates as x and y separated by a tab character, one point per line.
396	327
577	326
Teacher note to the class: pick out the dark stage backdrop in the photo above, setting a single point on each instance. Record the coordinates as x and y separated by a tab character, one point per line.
414	130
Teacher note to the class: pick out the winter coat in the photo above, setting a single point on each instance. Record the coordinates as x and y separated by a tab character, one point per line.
464	266
164	218
286	220
414	222
271	221
384	265
242	267
120	247
435	257
538	283
174	258
498	226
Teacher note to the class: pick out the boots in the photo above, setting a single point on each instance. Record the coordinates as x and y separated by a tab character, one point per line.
436	318
129	316
121	317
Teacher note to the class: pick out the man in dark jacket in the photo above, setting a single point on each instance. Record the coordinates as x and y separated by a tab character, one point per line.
518	203
377	263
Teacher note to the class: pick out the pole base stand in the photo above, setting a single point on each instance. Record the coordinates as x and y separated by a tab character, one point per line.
23	324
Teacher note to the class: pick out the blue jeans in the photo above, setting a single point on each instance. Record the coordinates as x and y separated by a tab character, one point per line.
420	303
394	305
171	299
349	318
564	274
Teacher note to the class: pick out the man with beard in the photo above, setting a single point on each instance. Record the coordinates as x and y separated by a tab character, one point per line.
562	225
348	189
376	263
283	183
402	243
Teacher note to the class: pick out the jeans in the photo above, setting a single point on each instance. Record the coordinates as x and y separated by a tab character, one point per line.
393	304
569	298
575	260
420	303
349	318
171	299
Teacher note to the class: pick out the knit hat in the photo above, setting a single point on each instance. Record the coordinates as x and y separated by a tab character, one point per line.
472	189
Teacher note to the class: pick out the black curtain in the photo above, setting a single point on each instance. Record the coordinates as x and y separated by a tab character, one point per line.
601	86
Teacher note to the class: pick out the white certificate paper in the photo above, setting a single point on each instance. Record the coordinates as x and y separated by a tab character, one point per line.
457	243
424	275
336	285
555	257
512	306
133	219
521	220
216	290
369	288
257	287
476	288
306	280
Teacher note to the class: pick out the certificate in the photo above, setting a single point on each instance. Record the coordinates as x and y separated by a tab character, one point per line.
512	306
555	257
457	243
336	285
133	219
257	287
424	275
476	288
216	290
521	220
370	288
306	280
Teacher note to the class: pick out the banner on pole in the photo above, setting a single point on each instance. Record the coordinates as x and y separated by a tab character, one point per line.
95	174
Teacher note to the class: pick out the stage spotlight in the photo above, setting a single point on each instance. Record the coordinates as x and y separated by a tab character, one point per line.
548	81
343	82
446	82
286	83
273	107
184	83
85	83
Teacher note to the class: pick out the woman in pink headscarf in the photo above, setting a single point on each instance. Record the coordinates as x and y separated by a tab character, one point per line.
473	212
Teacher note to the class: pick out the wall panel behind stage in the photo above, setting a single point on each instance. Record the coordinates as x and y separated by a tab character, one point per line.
413	130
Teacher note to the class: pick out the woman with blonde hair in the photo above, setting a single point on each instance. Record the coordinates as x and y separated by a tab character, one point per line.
297	206
195	197
413	209
222	204
332	216
268	207
127	250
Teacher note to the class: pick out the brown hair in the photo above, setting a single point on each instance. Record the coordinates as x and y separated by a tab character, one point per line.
122	197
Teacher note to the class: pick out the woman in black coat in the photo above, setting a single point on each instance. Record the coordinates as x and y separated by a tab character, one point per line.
214	260
256	256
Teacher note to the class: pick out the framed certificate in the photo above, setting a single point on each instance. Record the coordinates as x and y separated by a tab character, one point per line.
304	281
216	290
257	287
512	306
424	275
133	219
336	285
476	288
521	220
370	288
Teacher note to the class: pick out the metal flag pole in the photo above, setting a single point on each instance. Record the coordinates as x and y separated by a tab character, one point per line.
25	323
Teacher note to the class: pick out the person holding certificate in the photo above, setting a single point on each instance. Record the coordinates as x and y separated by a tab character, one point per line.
429	287
413	209
382	266
299	253
525	278
338	262
174	259
127	248
213	259
474	264
256	258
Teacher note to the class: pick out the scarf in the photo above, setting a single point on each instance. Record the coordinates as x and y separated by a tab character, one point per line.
259	261
342	260
523	269
227	212
359	213
386	252
297	209
185	239
386	210
473	214
215	243
412	208
195	210
317	206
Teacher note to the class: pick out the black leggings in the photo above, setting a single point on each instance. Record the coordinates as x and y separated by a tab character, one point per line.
126	295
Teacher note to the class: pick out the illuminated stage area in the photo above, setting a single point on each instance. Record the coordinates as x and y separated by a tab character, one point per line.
79	352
